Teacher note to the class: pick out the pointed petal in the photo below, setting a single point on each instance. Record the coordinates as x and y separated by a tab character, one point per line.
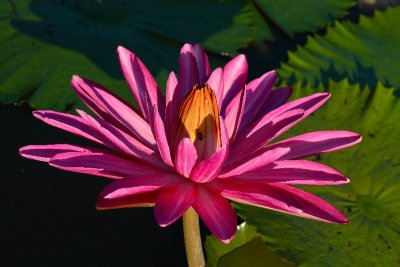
185	157
203	65
120	141
274	124
294	172
275	99
280	197
188	72
257	162
140	200
135	185
140	81
216	81
234	114
242	148
173	202
257	91
101	163
235	76
113	109
46	152
316	143
172	109
72	124
161	138
217	214
207	169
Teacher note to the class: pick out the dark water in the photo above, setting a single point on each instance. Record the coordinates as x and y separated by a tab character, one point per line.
48	216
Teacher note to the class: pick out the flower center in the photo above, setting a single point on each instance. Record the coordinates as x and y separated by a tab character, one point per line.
199	120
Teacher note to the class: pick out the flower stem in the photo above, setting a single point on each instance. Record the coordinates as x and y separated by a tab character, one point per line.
191	230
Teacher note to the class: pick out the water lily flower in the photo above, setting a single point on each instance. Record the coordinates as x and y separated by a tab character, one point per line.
208	141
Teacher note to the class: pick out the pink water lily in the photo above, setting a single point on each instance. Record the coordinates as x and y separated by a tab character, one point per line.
209	140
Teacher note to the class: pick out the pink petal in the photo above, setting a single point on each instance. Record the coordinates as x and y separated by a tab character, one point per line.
275	99
274	124
161	138
173	202
316	143
242	148
234	114
280	197
46	152
203	65
294	172
257	91
217	214
140	200
101	163
308	104
188	72
256	162
111	108
135	185
141	82
172	109
216	81
207	169
72	124
235	76
185	157
121	141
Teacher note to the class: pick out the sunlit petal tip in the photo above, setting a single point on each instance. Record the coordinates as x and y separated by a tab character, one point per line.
40	114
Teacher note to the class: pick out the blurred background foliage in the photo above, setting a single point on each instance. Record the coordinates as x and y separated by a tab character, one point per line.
350	48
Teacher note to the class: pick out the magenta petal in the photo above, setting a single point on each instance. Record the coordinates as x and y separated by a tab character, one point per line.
259	136
294	172
281	197
316	143
173	202
121	141
257	92
188	72
113	109
172	109
135	185
101	163
216	82
203	65
308	104
140	200
275	99
217	214
72	124
234	114
185	157
161	138
46	152
256	162
141	82
235	76
207	169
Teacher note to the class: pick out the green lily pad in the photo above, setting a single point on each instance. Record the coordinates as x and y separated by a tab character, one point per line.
371	200
43	43
246	249
304	16
365	52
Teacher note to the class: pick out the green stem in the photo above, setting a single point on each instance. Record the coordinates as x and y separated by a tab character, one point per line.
191	230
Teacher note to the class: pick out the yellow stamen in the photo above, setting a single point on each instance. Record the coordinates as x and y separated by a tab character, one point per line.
199	120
